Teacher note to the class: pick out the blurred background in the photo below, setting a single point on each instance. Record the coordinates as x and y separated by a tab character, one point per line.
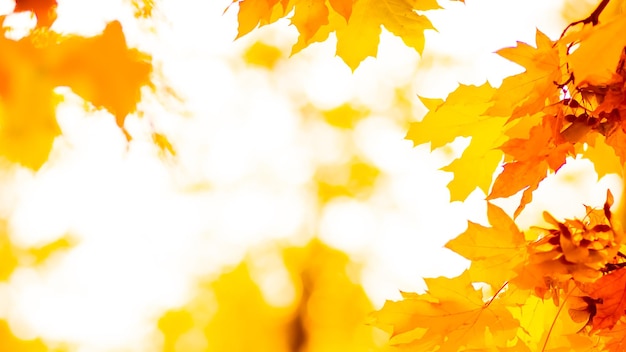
284	204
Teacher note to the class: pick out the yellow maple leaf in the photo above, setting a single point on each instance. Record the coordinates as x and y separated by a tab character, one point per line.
494	251
254	13
359	39
462	115
528	92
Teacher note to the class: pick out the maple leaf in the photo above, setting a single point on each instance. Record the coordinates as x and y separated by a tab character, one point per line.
462	115
547	326
102	70
254	13
610	293
494	251
614	339
44	10
528	92
309	16
359	39
450	315
598	53
533	158
342	7
357	23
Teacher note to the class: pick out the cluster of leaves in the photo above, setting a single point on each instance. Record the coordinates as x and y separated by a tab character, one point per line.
569	101
357	24
557	288
102	69
548	289
553	289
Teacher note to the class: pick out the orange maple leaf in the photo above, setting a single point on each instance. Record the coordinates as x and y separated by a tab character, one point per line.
102	70
527	93
342	7
615	338
610	294
533	158
452	316
309	16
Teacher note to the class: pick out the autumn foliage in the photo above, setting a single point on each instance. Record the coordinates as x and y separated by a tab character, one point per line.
558	288
100	69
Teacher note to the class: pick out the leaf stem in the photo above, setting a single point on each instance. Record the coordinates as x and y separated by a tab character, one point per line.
558	312
594	18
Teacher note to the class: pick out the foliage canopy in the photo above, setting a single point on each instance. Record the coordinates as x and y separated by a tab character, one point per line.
555	288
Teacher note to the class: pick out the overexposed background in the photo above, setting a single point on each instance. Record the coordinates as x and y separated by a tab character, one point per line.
254	140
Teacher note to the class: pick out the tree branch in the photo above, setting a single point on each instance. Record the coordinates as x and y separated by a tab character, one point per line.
594	18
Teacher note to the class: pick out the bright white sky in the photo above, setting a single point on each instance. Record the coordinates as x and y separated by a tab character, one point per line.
146	228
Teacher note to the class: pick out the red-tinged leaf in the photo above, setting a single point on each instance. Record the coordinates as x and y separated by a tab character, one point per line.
610	294
44	10
517	176
615	338
532	159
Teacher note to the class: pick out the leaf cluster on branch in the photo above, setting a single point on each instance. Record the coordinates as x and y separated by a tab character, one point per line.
561	288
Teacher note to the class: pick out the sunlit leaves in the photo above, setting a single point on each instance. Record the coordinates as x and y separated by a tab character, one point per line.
452	315
609	293
542	292
595	60
527	92
494	251
360	38
462	115
356	23
533	158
